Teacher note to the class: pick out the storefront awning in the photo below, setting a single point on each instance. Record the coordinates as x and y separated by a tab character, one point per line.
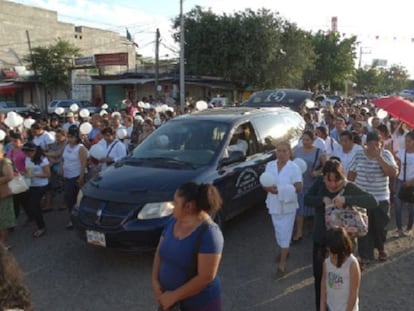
122	81
8	87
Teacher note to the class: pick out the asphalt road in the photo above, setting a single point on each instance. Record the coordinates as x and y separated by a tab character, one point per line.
63	273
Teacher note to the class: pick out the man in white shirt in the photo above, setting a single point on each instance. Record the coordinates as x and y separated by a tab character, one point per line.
115	149
347	150
41	138
70	120
237	144
329	143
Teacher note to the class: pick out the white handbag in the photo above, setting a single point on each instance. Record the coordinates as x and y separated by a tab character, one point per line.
19	184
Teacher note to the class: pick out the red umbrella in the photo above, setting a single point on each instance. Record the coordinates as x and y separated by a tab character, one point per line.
398	107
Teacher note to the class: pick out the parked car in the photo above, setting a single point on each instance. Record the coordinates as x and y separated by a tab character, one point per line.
128	205
24	111
291	98
66	103
219	102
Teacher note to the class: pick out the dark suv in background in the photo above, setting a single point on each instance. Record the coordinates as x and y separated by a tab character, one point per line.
129	204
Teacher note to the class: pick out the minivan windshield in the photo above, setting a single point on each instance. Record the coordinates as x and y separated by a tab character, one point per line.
186	142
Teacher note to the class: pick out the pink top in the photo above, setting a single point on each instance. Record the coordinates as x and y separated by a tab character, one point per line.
18	157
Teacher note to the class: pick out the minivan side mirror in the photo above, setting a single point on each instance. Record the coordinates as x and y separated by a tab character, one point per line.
234	157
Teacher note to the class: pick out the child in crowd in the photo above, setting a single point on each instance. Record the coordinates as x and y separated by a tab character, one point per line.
341	275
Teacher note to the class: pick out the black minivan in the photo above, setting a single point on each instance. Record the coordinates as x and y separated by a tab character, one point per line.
128	204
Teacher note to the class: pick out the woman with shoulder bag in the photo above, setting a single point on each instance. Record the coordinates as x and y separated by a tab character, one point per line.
324	191
7	217
405	158
18	158
184	273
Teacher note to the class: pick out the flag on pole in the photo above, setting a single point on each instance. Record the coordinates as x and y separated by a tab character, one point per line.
129	38
128	35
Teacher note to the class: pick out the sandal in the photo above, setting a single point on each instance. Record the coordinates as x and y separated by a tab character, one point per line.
39	232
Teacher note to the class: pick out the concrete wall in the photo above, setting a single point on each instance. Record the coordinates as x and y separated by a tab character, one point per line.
44	29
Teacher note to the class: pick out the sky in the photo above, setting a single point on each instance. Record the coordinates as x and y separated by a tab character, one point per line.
384	30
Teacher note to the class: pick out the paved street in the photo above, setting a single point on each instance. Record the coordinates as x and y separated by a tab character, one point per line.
63	273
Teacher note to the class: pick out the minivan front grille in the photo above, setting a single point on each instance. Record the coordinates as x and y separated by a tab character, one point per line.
104	213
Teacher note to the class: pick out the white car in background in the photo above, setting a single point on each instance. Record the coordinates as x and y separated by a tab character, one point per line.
66	103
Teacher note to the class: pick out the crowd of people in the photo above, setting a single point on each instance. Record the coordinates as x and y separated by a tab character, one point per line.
352	158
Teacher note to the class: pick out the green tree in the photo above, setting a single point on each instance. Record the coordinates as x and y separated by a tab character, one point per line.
382	81
394	79
52	65
248	48
335	61
368	81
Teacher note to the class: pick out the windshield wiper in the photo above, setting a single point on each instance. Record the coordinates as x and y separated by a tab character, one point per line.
168	161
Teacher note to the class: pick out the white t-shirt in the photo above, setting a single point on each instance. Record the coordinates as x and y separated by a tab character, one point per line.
346	157
409	167
240	145
44	140
337	284
36	169
67	125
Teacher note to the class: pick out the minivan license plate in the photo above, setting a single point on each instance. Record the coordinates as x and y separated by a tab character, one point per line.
95	238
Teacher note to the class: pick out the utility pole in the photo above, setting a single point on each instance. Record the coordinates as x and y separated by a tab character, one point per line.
157	62
182	81
34	67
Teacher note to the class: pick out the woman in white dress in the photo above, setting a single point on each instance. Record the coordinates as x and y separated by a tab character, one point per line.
282	199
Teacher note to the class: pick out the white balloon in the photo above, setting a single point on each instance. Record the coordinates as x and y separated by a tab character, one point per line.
267	180
97	151
121	133
116	113
59	110
201	105
141	104
85	128
302	164
84	113
382	114
157	122
369	120
310	104
139	119
74	107
13	119
2	135
104	106
163	140
103	112
164	107
28	123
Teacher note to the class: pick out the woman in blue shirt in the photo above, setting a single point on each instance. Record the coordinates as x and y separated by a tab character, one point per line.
189	252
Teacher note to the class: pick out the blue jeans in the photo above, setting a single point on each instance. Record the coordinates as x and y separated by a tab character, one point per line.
398	206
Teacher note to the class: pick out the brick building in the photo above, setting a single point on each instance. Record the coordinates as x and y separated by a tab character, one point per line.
20	22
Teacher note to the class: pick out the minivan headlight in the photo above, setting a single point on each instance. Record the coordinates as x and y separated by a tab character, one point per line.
156	210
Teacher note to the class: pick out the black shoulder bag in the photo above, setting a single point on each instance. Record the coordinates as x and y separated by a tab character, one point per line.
406	194
192	270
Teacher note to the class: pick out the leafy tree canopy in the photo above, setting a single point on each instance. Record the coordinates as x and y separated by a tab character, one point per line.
52	64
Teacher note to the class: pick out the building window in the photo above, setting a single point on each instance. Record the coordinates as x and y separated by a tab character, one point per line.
78	29
76	36
80	37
